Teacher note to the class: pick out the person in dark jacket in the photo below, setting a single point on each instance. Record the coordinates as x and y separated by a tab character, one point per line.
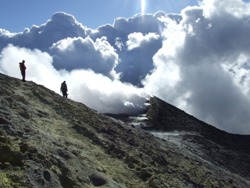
23	70
64	89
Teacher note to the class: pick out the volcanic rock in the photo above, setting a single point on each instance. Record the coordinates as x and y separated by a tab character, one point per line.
49	141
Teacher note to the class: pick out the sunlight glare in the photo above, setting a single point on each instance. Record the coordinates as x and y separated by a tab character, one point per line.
143	6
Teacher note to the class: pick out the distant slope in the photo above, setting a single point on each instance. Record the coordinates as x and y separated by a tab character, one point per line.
165	117
229	150
162	116
49	141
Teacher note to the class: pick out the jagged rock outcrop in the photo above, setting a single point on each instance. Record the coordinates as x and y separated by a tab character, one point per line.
49	141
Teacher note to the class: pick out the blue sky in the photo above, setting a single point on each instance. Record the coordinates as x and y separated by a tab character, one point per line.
16	15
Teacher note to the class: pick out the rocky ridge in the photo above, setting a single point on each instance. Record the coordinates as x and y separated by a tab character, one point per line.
49	141
231	151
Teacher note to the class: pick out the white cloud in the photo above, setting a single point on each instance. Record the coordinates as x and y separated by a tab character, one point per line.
137	59
236	8
99	50
39	65
95	90
140	23
104	94
135	40
5	33
77	53
60	26
210	57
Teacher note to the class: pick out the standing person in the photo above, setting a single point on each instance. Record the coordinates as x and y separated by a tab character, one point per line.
64	89
22	69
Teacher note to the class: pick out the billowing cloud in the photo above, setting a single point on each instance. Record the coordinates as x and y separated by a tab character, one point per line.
60	26
99	50
140	23
95	90
135	40
38	63
198	60
137	61
105	95
79	53
209	63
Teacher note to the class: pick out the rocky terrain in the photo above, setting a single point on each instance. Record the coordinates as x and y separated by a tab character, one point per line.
49	141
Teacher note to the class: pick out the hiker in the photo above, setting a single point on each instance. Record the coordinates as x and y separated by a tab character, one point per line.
64	89
22	69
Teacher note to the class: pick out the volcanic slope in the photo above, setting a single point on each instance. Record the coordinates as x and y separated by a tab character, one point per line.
49	141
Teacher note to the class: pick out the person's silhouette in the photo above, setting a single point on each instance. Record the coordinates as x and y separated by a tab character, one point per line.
64	89
22	69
